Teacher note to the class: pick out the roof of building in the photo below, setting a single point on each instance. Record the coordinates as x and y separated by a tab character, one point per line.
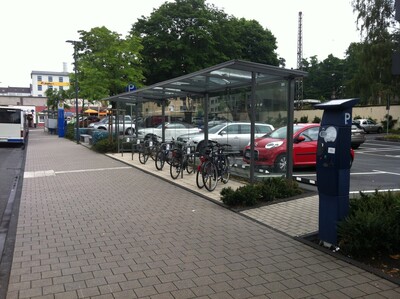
10	89
50	73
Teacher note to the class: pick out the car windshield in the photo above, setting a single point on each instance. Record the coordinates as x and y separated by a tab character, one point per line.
281	132
216	129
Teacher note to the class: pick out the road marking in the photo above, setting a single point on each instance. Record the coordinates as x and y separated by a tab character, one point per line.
46	173
91	170
352	173
373	191
387	172
382	145
38	174
373	150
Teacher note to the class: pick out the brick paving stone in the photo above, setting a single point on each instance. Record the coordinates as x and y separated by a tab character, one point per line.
93	227
66	295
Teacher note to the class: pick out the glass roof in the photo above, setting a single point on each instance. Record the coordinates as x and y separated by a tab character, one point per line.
231	74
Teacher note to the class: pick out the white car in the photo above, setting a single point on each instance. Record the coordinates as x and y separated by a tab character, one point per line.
236	134
123	123
172	130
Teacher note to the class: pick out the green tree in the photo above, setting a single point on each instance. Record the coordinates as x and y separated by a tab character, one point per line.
325	79
55	96
373	80
107	63
187	35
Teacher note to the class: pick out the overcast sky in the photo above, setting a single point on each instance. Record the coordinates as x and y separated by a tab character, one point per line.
33	33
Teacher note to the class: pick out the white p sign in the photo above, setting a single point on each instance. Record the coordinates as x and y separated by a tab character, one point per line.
347	117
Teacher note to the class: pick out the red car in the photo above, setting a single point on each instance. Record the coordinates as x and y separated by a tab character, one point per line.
270	150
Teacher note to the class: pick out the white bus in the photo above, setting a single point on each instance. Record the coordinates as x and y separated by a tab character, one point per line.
13	125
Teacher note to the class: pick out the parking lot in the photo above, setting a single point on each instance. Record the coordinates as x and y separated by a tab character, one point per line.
376	166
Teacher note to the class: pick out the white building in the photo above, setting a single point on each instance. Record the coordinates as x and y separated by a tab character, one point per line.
42	80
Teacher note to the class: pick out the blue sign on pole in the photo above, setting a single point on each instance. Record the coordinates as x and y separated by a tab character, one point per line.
61	121
131	87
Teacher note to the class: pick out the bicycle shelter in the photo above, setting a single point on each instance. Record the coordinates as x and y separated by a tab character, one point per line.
235	90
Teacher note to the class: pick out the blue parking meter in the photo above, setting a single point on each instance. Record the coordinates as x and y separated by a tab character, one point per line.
333	166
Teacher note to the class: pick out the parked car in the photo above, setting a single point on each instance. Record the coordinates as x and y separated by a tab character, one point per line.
357	135
102	122
369	125
172	130
84	123
125	122
270	149
237	134
217	120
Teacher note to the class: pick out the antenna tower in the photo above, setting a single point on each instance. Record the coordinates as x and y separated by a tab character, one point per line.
299	82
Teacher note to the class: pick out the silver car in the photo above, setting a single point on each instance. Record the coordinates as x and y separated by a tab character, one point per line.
357	136
237	134
369	125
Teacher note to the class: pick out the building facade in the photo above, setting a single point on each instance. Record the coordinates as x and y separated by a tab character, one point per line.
15	91
42	81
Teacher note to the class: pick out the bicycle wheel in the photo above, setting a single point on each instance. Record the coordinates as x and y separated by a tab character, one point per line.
199	177
210	176
189	164
175	168
153	152
225	170
143	155
160	160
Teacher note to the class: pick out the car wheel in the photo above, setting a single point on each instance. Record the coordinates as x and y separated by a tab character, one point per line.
281	163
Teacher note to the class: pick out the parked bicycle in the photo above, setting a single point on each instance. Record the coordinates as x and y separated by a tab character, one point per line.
182	159
164	154
148	148
217	168
204	156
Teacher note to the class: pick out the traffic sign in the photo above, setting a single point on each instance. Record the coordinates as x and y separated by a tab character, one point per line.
131	87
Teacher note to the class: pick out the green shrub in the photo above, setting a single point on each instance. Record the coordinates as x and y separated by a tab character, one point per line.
70	132
263	191
372	226
243	196
277	188
105	146
304	119
316	120
392	122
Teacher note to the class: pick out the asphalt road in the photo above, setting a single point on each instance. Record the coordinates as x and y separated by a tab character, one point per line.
12	162
376	166
11	158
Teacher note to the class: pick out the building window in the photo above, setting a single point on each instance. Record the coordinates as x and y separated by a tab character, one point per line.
39	87
61	88
60	79
50	78
50	87
39	78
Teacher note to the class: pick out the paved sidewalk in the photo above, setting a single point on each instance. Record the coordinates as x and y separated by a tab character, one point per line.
295	218
94	227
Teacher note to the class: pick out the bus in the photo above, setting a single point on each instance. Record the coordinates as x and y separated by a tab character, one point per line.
13	125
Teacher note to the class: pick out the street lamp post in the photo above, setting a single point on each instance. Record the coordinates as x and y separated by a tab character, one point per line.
74	43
